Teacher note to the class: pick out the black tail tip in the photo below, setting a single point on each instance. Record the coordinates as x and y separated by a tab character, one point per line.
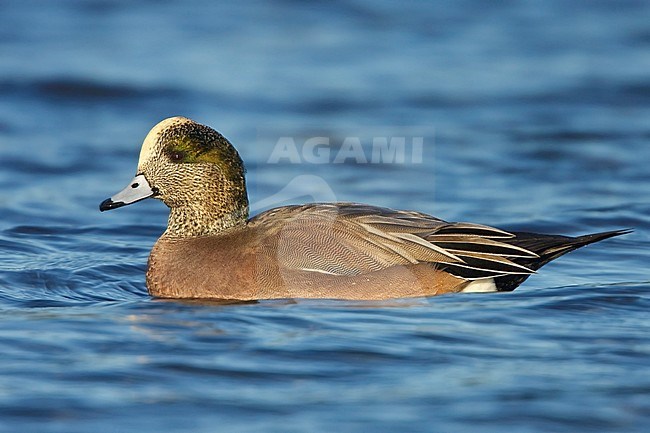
596	237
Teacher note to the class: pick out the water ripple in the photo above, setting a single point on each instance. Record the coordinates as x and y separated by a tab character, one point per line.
535	117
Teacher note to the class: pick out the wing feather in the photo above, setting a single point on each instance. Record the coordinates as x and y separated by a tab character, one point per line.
353	239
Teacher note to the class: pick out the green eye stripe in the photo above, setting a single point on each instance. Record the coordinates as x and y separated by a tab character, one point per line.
186	150
203	145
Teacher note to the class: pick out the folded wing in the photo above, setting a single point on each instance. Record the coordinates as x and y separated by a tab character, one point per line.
353	239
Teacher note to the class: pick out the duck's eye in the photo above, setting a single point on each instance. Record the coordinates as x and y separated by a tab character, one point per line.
177	156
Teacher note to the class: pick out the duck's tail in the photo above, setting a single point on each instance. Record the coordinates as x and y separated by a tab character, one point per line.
547	247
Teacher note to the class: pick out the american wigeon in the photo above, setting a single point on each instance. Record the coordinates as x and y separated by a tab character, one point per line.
211	249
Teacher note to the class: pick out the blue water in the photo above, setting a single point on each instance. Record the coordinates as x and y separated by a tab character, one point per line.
533	116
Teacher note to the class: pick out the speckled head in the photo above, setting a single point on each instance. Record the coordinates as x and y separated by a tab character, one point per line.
180	140
150	143
195	171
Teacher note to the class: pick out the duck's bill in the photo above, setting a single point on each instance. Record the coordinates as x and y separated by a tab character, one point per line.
138	189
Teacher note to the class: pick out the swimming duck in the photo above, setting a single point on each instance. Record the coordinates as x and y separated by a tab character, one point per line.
212	249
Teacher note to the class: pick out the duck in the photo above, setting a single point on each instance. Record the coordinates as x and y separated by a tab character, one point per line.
213	249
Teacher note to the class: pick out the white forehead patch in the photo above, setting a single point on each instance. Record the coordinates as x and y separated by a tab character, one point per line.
151	140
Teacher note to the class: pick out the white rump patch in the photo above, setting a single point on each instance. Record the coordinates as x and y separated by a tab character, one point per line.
481	286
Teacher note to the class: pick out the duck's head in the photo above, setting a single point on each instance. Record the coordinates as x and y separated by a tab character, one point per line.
195	171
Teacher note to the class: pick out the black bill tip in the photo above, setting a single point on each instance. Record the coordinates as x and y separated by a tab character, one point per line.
109	204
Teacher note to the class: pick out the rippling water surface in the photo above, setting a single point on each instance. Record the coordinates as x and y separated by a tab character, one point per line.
533	117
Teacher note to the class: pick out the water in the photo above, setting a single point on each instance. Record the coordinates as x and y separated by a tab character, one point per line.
533	117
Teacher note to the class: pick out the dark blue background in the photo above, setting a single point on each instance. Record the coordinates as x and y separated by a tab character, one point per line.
534	115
